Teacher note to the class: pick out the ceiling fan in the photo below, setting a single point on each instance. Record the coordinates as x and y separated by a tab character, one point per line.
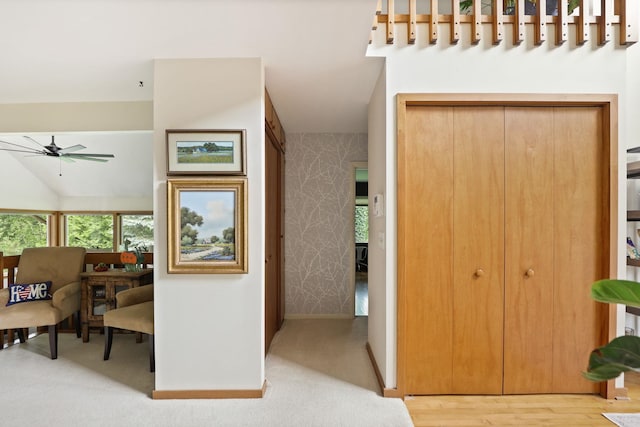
68	154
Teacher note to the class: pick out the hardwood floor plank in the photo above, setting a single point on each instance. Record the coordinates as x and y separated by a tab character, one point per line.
522	410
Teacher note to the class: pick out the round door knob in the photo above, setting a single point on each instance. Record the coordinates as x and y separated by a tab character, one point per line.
529	273
479	272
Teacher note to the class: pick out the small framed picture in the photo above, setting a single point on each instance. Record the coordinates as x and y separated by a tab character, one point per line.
207	225
206	152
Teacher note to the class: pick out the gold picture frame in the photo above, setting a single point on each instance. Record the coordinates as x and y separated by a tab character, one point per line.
206	152
207	225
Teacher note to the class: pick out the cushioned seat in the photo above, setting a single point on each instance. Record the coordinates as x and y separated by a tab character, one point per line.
62	267
134	313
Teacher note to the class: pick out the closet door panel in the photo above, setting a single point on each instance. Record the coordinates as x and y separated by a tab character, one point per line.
425	212
529	250
478	241
579	244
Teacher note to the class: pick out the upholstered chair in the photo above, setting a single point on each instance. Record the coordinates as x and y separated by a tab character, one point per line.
134	312
62	267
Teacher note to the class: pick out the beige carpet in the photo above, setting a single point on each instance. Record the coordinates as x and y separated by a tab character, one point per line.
318	374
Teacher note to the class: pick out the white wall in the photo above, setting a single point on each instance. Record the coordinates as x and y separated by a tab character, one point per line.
210	327
505	68
381	297
21	189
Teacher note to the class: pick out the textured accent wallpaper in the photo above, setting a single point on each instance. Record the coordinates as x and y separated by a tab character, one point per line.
319	222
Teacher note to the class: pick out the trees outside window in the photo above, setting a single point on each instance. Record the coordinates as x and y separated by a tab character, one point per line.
94	232
362	224
138	230
19	231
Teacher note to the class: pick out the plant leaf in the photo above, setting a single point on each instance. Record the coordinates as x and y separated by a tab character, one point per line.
620	355
616	291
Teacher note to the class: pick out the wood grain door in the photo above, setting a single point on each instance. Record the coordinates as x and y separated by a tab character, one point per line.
451	211
503	224
580	243
478	250
529	237
425	252
274	256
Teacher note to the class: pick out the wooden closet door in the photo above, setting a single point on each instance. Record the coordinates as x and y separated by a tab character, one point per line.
478	255
274	308
529	278
580	243
425	249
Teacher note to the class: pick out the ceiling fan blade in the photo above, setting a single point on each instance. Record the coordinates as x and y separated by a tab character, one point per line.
71	149
33	153
84	157
110	156
33	140
21	148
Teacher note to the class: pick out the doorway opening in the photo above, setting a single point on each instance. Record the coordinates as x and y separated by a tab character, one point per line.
361	237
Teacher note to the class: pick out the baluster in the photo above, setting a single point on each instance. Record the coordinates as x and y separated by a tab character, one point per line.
455	21
582	27
604	21
476	21
628	25
498	22
541	22
433	22
390	20
518	22
411	27
562	29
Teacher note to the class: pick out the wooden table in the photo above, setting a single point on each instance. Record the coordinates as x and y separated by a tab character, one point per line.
99	291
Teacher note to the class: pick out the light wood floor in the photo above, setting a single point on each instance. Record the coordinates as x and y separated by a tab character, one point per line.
525	411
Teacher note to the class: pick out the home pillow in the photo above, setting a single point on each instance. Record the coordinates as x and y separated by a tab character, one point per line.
29	292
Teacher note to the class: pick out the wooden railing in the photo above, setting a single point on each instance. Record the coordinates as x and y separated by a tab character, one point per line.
9	268
623	13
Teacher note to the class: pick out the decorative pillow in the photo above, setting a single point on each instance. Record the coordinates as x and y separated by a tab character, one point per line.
29	292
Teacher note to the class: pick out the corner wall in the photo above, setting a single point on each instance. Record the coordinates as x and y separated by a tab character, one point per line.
209	328
381	289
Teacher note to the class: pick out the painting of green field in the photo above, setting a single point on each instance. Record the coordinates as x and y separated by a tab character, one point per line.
218	152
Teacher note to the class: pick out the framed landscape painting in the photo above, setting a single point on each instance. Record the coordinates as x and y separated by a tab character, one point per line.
206	152
207	225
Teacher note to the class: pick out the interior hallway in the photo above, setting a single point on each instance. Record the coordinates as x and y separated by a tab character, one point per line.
317	374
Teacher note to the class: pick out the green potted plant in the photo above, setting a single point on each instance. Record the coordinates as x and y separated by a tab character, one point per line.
622	354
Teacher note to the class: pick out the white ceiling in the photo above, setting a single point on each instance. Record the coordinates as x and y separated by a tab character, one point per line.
99	50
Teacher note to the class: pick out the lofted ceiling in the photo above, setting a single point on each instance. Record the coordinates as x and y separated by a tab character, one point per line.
128	175
100	50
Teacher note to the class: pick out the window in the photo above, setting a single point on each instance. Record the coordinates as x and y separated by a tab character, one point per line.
137	230
362	224
23	230
92	231
97	232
